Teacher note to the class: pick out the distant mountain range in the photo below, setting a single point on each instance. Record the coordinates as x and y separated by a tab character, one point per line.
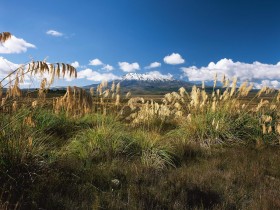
148	84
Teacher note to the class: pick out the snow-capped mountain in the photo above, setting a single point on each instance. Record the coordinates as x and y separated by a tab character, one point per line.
150	83
151	76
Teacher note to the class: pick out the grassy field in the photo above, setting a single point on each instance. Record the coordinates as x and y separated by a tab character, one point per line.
99	149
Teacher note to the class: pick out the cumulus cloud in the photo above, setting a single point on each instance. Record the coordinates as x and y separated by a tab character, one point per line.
95	62
15	45
174	59
259	73
158	75
75	64
153	65
108	67
129	67
54	33
6	67
95	76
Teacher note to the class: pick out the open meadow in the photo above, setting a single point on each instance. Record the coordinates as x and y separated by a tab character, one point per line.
100	149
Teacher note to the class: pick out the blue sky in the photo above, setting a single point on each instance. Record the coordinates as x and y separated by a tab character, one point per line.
238	38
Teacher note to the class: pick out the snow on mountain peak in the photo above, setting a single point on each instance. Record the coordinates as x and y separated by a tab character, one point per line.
151	76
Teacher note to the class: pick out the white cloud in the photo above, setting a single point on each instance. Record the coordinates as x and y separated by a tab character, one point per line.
129	67
153	65
6	67
158	75
54	33
75	64
95	62
95	76
108	67
174	59
259	73
15	45
268	83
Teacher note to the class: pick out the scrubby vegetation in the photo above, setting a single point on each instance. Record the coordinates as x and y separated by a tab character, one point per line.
98	149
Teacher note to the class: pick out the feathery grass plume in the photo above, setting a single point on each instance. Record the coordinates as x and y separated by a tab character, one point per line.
52	73
217	126
128	95
4	36
178	106
203	85
15	106
273	107
182	91
225	95
113	95
248	89
14	90
34	104
57	70
233	87
204	97
223	81
261	91
29	121
261	104
195	96
168	98
266	118
277	128
269	130
104	83
21	73
227	83
117	103
106	93
91	91
264	131
113	87
189	117
218	93
76	102
3	101
242	88
215	80
214	104
42	90
99	90
118	88
136	101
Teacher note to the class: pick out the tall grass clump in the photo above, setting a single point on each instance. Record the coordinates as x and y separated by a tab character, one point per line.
225	115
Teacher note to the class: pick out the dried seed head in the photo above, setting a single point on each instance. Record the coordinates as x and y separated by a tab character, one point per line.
215	80
233	87
117	100
118	88
266	118
269	130
182	91
34	104
104	83
91	91
264	129
4	36
113	87
128	95
15	106
189	118
277	128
